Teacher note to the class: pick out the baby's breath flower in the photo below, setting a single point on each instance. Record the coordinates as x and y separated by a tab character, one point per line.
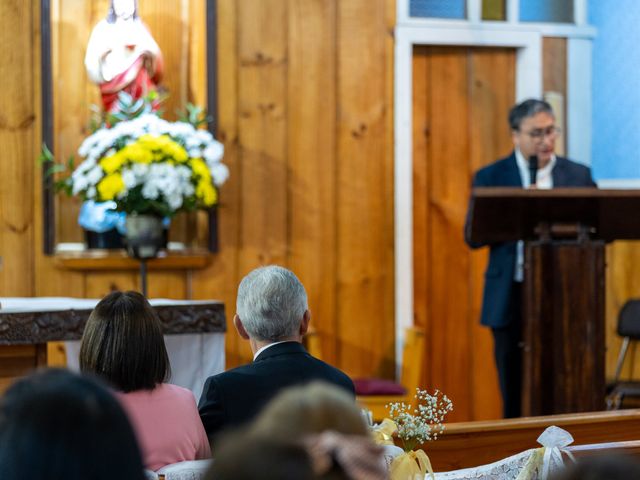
423	423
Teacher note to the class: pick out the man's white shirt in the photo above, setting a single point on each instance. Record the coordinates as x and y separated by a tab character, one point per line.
544	181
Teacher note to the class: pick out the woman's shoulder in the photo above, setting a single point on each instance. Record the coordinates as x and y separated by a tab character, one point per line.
170	389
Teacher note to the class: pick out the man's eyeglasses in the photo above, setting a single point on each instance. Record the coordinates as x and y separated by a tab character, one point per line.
540	133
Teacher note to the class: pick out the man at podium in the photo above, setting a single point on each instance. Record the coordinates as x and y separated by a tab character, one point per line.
532	164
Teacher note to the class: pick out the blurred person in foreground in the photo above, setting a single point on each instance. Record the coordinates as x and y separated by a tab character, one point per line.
601	467
57	425
315	430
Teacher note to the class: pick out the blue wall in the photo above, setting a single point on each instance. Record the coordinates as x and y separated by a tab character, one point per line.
616	89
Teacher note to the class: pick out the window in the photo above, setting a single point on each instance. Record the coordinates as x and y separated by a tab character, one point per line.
548	11
494	10
456	9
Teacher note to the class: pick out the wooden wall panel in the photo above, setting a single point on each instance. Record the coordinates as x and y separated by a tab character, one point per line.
449	293
554	79
311	83
623	283
17	129
490	69
421	211
262	89
461	100
364	191
220	279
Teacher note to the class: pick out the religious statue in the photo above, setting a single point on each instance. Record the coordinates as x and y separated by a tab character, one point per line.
122	55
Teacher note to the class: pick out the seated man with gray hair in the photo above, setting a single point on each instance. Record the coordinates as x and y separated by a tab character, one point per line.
273	315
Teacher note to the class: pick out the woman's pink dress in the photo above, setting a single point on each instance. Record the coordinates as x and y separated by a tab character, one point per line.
167	425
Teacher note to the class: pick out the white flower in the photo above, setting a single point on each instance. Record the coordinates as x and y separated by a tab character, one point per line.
80	183
150	191
220	173
95	174
204	136
213	152
140	170
129	178
175	201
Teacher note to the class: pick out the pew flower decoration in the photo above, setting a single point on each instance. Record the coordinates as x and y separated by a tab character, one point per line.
414	426
422	424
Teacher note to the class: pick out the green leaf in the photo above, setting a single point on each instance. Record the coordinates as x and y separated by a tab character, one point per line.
45	155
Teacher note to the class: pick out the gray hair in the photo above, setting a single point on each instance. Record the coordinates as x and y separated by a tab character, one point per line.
527	109
271	303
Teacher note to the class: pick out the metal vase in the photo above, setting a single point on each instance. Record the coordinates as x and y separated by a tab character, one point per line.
144	235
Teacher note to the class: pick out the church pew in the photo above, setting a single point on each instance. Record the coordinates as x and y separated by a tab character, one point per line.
609	448
469	444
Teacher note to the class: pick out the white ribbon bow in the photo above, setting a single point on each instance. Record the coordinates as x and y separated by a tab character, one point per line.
554	440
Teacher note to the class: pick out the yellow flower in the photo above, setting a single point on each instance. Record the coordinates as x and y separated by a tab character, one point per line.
110	186
178	153
163	147
137	153
113	162
200	169
206	192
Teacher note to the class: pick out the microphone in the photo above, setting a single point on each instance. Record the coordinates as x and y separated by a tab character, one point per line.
533	169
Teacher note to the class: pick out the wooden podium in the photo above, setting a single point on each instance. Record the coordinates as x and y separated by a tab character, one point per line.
565	230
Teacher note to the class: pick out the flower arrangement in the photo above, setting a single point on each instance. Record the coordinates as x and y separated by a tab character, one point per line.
413	426
148	165
145	164
422	424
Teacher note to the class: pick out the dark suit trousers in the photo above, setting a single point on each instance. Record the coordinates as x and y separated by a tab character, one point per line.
508	355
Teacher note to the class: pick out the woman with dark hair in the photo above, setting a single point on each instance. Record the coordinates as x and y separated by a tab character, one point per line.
123	343
56	425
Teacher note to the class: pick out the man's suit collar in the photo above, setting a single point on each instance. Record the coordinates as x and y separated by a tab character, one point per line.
511	173
283	348
560	174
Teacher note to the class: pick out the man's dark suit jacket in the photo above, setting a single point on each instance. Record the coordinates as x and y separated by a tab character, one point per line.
502	256
236	396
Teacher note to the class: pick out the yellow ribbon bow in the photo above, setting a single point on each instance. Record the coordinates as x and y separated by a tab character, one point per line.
412	465
383	434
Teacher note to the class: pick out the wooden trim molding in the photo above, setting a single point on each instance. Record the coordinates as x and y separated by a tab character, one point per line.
97	259
28	328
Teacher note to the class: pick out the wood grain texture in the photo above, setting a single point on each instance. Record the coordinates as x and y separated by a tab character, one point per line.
312	162
421	210
17	132
364	192
492	84
623	283
461	100
554	78
563	356
220	279
449	295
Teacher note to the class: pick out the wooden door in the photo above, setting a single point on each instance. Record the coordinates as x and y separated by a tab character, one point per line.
462	96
